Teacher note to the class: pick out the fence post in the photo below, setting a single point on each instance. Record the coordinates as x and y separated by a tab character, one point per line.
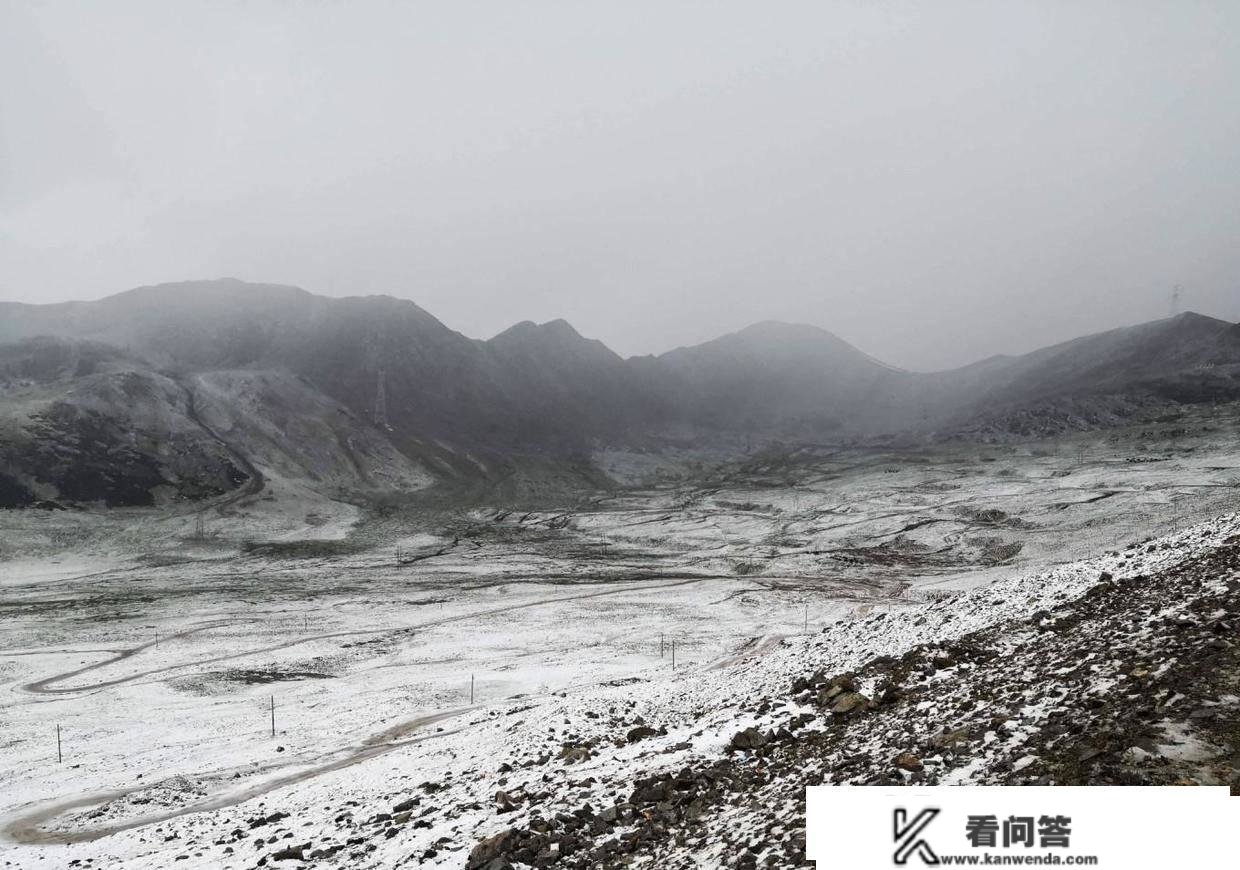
59	756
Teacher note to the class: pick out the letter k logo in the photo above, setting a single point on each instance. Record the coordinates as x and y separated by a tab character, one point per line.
907	836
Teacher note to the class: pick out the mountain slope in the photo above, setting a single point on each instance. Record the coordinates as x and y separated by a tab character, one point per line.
773	378
1156	353
528	388
566	386
389	379
83	423
1087	381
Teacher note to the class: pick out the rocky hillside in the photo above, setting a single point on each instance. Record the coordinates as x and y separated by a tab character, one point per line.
85	424
1131	677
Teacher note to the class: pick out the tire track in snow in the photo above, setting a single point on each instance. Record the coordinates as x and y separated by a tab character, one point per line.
28	829
45	685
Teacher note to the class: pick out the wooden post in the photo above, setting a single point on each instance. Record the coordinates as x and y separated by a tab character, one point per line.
471	688
273	715
59	756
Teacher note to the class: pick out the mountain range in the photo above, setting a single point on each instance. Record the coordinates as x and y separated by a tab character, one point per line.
182	391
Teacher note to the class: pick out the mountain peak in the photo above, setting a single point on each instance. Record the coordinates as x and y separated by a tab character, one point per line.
783	330
1194	320
200	291
556	334
558	328
791	343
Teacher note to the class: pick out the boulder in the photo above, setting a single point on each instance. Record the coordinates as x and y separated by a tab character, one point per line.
491	849
750	738
849	703
907	761
292	853
651	790
574	754
641	732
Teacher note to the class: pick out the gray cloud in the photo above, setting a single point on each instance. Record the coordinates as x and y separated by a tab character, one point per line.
933	182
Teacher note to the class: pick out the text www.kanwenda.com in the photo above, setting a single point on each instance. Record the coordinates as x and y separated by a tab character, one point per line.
1018	860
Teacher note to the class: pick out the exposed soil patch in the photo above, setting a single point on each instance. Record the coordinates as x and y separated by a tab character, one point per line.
270	675
300	549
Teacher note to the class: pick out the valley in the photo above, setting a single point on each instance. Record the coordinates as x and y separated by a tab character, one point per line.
167	644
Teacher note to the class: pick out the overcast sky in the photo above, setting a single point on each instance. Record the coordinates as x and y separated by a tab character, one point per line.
933	181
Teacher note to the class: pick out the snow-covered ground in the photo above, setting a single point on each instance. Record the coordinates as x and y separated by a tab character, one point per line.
159	652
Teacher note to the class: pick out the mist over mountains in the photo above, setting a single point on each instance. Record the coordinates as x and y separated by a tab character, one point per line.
187	390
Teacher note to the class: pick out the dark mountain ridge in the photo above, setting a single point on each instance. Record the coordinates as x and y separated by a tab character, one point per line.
462	406
772	378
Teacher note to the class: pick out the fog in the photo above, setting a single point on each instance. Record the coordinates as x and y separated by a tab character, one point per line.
933	182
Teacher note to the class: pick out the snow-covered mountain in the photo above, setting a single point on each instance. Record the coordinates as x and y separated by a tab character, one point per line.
378	380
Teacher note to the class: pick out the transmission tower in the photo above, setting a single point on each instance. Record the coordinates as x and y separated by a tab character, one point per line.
375	345
381	419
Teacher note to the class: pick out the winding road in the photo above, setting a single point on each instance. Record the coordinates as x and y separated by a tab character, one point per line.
44	686
30	827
